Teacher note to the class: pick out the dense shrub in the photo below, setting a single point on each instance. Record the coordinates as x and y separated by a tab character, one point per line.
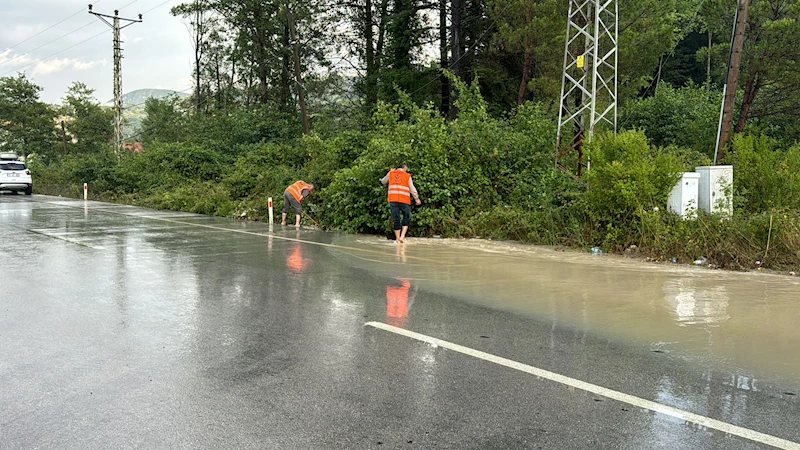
766	177
478	176
684	117
627	177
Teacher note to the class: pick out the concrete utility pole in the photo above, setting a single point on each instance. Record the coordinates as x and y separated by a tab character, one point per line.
589	81
114	24
732	81
301	95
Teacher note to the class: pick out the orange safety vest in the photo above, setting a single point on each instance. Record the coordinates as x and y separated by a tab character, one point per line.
297	190
399	190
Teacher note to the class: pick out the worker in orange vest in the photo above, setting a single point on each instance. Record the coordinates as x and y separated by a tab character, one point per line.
294	196
401	188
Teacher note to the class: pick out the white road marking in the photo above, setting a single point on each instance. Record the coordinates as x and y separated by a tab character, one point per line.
725	427
72	241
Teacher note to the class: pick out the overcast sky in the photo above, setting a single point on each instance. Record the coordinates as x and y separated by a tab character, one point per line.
157	52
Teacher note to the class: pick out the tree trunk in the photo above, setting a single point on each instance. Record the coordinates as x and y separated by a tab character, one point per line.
301	97
286	79
219	81
455	47
455	37
750	92
371	79
708	63
198	56
445	108
526	75
658	74
401	44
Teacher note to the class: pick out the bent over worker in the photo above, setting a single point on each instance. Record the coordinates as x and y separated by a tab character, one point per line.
294	196
401	188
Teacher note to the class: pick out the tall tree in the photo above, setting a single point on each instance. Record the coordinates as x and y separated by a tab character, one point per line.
26	124
648	30
201	24
533	29
443	59
90	125
769	78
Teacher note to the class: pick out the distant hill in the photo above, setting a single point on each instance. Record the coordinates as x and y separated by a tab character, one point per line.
138	97
133	102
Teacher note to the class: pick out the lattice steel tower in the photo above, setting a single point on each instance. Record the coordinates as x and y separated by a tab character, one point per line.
589	82
117	70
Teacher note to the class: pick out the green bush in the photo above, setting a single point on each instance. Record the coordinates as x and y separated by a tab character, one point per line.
627	177
766	178
684	117
478	176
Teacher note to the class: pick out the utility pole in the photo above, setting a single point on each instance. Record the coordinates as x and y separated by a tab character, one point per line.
732	81
114	24
301	96
589	80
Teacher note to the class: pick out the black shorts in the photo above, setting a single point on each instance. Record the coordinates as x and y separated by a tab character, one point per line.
397	209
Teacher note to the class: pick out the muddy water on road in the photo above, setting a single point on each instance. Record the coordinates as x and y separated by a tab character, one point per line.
745	322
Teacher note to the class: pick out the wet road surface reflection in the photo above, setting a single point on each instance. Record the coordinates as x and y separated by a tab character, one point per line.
746	322
128	327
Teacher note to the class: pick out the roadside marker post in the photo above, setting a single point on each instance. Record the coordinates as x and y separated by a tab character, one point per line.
85	191
269	200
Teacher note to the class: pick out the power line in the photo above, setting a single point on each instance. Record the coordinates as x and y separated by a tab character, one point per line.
48	28
129	4
72	46
64	35
157	6
46	44
53	54
115	25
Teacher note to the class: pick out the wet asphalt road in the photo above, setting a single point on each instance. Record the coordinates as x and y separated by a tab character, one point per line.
122	327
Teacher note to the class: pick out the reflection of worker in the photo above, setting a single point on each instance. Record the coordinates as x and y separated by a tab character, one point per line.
296	261
294	195
401	188
401	253
398	301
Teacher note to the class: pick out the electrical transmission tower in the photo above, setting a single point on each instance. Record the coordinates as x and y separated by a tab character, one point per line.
114	24
589	82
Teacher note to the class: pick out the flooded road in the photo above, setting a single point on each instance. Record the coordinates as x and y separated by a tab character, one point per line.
745	323
123	327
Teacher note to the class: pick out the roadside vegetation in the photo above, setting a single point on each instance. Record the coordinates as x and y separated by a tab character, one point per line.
479	176
479	141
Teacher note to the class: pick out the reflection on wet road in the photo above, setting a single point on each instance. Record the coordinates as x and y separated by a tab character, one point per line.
127	327
746	322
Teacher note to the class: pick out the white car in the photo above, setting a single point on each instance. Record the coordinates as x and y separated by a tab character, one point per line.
15	176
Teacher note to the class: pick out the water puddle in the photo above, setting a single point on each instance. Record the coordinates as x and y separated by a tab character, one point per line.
745	322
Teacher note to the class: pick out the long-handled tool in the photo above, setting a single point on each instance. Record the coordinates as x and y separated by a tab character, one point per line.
309	218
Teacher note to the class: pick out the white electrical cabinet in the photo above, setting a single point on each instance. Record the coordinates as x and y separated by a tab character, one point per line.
683	198
715	191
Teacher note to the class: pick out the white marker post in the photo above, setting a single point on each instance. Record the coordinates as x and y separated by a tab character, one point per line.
85	191
269	201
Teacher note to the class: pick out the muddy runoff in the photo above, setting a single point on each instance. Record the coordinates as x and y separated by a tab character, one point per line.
746	323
